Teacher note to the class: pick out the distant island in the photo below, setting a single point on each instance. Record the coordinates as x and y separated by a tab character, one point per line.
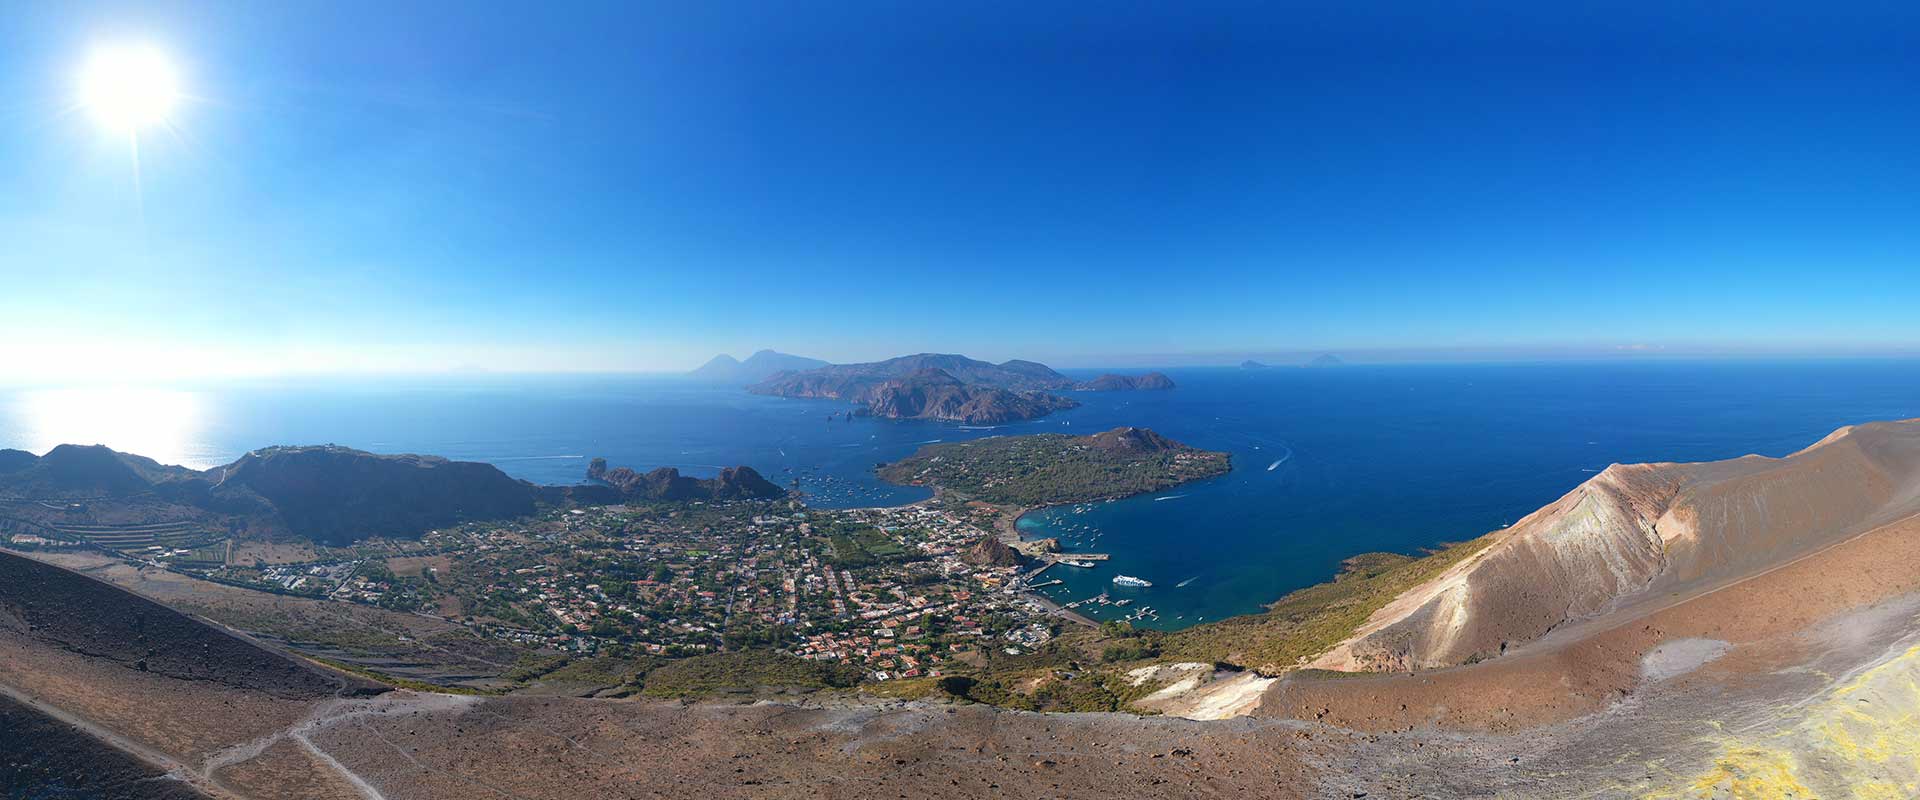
1119	383
1055	468
758	367
1326	360
948	387
1252	364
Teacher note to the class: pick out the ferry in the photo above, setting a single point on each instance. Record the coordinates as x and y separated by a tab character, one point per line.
1072	563
1129	580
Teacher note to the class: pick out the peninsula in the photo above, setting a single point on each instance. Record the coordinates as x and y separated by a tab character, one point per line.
1053	468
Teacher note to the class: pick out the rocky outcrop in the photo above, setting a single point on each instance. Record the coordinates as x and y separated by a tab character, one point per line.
1125	383
1636	533
667	484
991	552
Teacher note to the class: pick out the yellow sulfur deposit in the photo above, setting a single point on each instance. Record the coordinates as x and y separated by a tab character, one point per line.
1859	740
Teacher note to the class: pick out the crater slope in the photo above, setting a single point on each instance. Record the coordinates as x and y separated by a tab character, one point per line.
1643	533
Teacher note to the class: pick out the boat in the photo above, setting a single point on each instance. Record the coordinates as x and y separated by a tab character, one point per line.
1129	580
1123	603
1072	563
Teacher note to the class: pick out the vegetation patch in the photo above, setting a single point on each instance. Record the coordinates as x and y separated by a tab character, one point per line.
746	671
1311	621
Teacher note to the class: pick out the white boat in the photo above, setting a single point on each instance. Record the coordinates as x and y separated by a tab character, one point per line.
1072	563
1129	580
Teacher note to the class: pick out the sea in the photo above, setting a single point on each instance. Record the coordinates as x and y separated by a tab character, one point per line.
1327	462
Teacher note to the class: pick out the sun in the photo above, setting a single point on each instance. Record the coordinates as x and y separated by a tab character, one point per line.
129	87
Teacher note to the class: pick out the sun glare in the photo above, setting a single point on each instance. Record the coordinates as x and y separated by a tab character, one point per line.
129	87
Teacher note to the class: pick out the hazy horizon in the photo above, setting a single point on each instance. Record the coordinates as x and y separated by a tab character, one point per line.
639	187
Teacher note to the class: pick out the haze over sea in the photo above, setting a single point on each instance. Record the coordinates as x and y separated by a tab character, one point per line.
1328	463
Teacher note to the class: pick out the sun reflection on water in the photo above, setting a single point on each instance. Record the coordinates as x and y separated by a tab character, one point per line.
161	424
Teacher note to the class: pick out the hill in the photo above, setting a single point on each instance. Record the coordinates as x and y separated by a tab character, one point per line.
1252	364
1052	468
758	367
337	495
325	493
1326	360
84	471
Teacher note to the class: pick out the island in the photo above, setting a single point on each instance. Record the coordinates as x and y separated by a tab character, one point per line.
1152	381
1055	468
947	387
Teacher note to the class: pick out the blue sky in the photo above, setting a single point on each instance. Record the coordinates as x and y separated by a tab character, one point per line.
417	186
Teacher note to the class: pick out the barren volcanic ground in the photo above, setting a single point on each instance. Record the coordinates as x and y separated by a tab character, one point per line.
1742	629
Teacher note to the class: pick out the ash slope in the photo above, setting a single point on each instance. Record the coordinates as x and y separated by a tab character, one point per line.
1638	534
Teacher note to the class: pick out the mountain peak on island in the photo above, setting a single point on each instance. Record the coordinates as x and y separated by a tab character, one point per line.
1326	360
1133	440
1252	364
758	367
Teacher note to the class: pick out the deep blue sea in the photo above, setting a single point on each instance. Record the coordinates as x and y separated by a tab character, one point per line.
1327	462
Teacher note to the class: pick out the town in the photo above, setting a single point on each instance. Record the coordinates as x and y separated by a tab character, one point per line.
896	592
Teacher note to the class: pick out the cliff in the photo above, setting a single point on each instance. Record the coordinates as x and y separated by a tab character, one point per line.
934	394
1635	534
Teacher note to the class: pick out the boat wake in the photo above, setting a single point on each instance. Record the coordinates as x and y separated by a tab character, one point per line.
933	441
1169	497
1187	581
1282	460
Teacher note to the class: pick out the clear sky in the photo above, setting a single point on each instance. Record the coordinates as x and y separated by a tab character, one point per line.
403	185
